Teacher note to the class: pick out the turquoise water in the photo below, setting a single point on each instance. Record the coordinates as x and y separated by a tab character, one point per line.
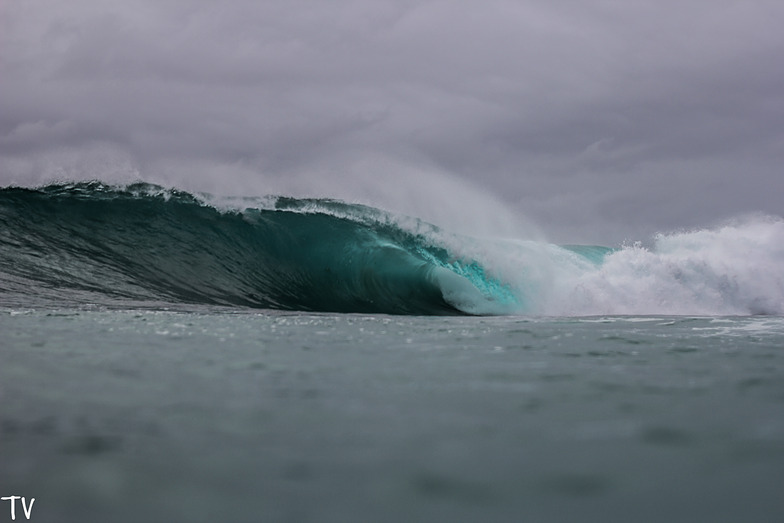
104	245
225	415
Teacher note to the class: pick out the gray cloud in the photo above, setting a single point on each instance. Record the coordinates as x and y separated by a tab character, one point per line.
599	120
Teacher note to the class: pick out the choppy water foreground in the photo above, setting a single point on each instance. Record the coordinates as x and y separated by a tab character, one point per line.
208	415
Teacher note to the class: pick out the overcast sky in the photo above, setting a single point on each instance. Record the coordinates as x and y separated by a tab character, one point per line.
600	121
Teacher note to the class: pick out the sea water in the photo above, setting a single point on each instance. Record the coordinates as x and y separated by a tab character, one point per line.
169	357
219	415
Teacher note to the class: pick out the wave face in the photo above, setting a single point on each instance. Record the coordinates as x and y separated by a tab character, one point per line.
143	245
89	242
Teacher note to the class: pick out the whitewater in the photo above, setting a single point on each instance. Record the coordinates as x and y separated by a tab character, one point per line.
178	356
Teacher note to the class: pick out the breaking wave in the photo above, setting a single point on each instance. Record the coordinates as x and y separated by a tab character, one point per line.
141	245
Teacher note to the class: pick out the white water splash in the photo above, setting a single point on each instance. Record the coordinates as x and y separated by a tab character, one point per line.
735	269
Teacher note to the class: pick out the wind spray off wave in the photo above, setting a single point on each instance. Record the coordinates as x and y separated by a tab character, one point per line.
142	245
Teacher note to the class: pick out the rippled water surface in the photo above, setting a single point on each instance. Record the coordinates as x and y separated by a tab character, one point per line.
208	415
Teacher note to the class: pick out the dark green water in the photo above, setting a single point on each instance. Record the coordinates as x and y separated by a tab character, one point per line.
213	415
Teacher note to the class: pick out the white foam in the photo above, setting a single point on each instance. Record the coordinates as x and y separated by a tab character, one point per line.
735	269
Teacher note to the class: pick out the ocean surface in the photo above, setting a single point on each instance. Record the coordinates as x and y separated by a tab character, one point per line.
167	356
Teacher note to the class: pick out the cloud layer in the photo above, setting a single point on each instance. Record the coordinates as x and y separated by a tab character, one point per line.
601	121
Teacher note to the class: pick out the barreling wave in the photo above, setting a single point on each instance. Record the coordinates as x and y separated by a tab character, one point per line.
91	242
143	245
